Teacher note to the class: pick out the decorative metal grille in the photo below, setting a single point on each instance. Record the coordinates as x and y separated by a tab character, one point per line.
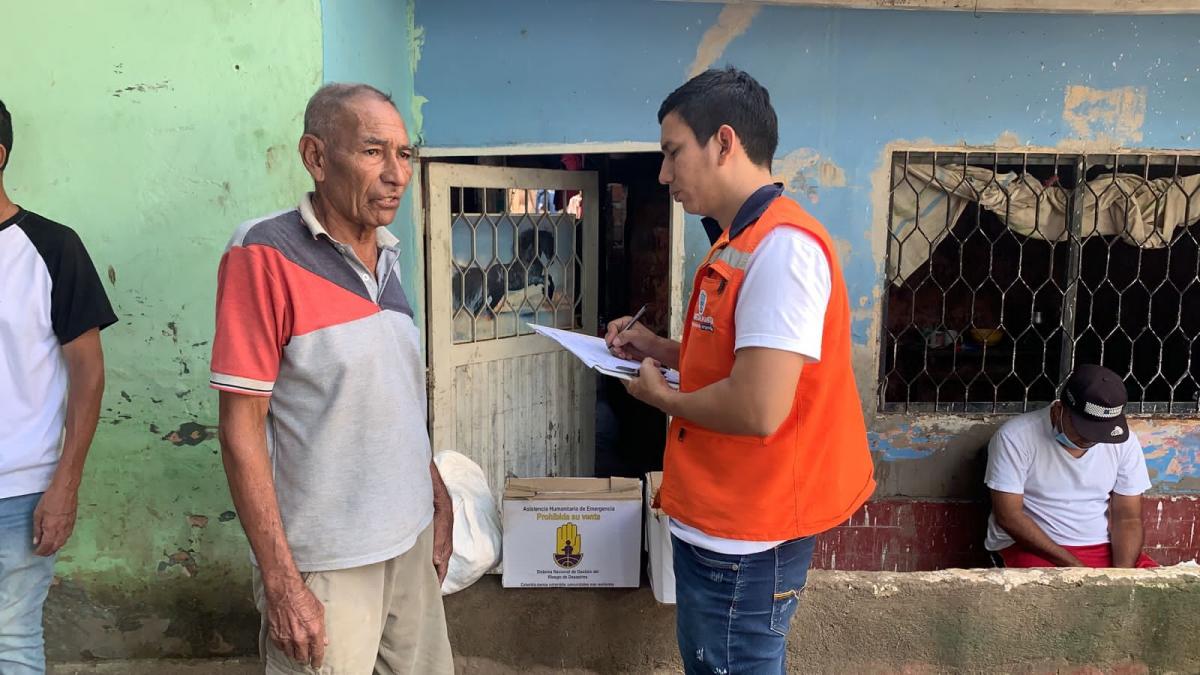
1006	269
516	260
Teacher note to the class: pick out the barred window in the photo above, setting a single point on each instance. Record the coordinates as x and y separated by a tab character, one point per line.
1005	269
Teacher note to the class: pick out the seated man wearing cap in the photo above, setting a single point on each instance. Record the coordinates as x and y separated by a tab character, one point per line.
1067	481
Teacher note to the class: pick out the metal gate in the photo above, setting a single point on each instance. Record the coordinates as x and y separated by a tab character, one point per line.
501	256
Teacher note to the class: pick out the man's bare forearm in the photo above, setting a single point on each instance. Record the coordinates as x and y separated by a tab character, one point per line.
1128	537
723	407
85	389
754	400
1026	532
441	495
248	468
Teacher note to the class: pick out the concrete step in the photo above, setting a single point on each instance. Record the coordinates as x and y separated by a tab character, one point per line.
952	621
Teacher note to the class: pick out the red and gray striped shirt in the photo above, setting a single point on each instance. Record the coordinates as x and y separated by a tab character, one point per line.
302	320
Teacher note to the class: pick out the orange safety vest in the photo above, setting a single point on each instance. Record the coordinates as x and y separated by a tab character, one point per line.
815	470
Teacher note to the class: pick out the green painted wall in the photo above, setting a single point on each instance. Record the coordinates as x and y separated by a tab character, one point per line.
153	129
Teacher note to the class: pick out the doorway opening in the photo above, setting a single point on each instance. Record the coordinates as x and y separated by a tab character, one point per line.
519	265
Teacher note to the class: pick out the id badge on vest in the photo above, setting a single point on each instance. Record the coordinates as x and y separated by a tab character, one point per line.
709	301
709	353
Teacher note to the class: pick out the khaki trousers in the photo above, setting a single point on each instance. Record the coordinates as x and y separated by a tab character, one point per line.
385	618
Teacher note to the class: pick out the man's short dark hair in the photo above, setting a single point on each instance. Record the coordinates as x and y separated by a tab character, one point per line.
5	133
732	97
321	113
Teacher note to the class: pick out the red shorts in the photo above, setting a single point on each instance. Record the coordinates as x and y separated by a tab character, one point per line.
1097	555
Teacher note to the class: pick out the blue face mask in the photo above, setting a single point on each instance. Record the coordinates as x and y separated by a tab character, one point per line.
1062	437
1066	442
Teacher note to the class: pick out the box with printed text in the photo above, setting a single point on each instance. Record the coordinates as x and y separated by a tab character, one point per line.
583	532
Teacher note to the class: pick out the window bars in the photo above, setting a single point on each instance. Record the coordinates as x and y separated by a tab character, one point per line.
516	259
1004	269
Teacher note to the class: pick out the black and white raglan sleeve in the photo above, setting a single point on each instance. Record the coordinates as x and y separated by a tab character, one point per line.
78	302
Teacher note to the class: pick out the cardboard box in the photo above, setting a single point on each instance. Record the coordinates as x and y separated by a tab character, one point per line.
564	532
660	565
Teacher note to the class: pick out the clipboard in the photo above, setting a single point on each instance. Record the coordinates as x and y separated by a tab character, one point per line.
593	352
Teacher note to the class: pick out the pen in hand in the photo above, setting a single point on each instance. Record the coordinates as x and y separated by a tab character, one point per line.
632	321
638	315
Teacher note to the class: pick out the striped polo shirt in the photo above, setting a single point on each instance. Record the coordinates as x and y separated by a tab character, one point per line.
301	319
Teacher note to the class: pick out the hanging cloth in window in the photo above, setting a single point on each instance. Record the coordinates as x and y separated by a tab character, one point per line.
927	201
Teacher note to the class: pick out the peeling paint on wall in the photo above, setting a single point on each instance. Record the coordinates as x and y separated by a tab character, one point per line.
1008	139
142	88
864	318
831	174
191	433
416	40
1112	115
732	22
184	560
804	171
910	440
797	170
1172	449
842	248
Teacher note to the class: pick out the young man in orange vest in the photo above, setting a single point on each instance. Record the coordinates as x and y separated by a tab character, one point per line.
767	445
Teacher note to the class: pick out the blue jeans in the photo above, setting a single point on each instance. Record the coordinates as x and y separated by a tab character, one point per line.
733	611
24	582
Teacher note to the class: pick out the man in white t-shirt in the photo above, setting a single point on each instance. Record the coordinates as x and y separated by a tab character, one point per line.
1067	481
52	309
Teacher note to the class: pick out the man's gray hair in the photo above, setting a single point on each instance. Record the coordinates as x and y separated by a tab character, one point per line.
321	113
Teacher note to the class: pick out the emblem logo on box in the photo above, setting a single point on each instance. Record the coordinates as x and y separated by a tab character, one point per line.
568	547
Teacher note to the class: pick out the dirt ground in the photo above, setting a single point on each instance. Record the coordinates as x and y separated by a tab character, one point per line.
161	667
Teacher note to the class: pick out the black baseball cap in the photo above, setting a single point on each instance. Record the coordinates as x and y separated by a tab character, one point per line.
1095	398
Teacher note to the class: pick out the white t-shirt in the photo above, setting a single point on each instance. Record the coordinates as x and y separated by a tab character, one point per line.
1066	496
50	294
781	305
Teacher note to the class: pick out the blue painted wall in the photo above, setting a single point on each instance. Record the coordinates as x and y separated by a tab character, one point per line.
842	80
373	41
845	83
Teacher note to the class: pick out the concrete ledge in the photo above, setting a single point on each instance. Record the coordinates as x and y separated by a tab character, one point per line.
1001	621
979	621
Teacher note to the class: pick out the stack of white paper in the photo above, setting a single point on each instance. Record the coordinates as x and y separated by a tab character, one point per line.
594	354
